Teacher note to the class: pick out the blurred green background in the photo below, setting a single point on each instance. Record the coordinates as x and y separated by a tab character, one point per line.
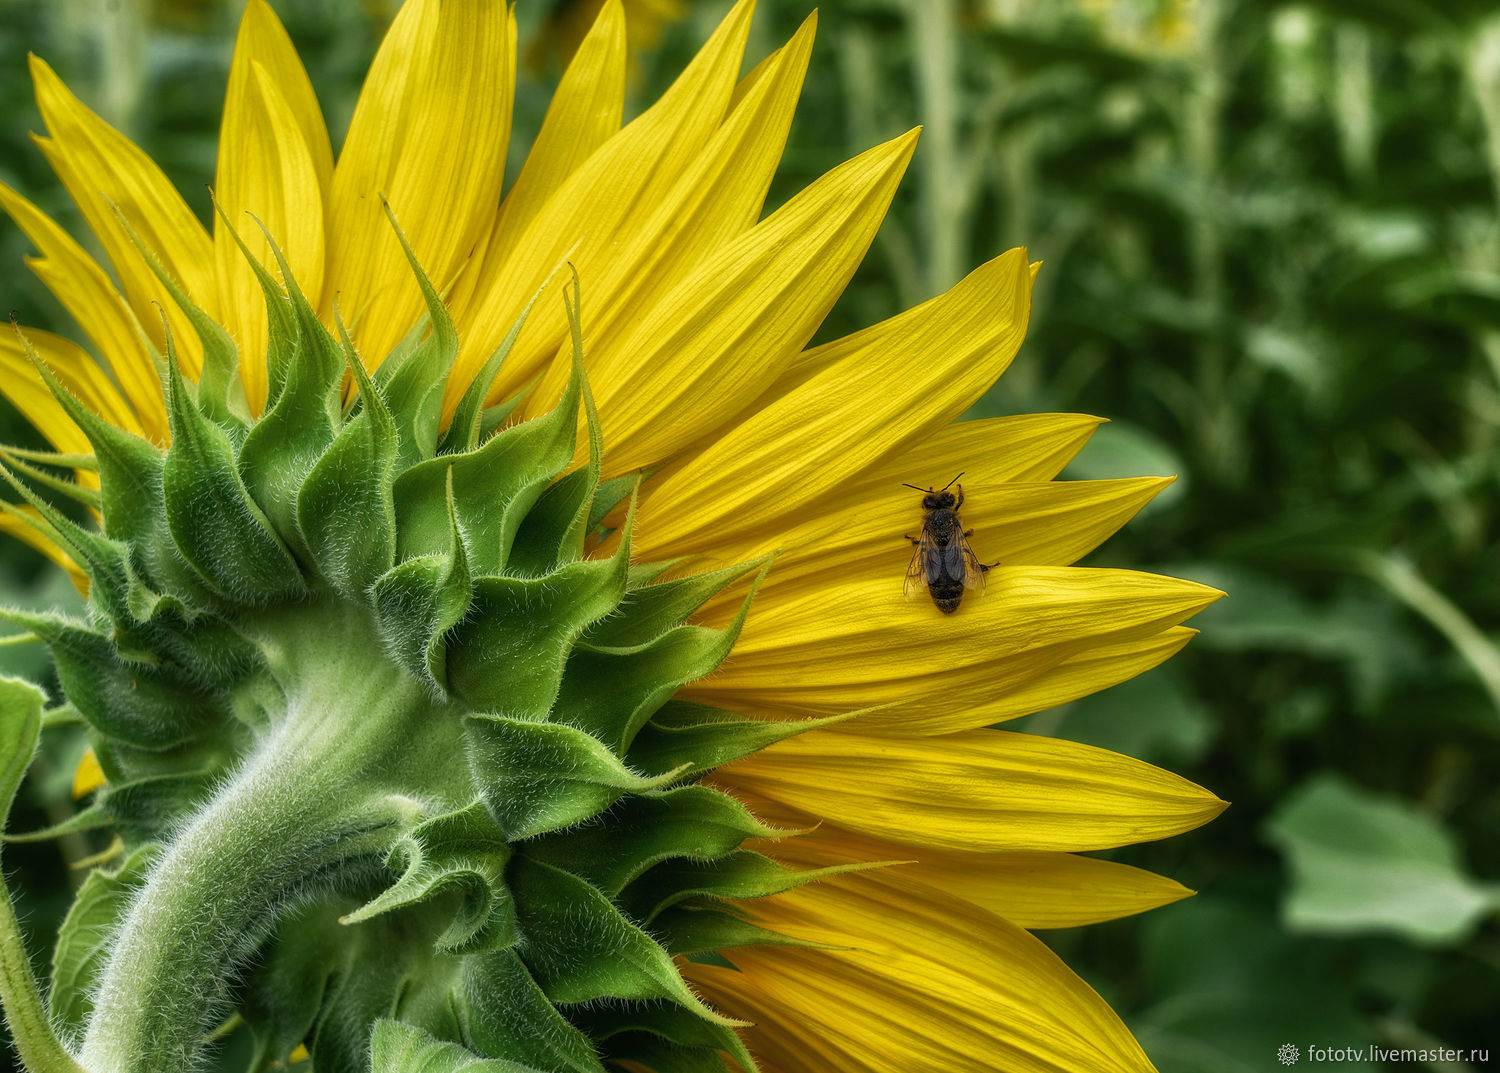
1272	246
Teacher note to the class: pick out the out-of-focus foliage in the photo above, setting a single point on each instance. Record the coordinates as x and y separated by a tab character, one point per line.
1272	246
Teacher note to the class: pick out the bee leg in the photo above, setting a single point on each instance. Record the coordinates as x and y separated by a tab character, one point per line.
968	532
960	498
913	539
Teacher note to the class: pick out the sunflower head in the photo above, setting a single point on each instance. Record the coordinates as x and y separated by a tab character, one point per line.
494	680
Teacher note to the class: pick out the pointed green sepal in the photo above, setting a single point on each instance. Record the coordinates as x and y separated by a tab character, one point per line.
345	510
650	610
509	654
688	929
414	387
89	819
740	875
695	738
149	707
648	1051
219	392
282	448
403	1048
612	692
618	1027
215	523
72	490
281	322
540	777
461	853
79	956
510	1017
580	949
493	485
419	601
640	831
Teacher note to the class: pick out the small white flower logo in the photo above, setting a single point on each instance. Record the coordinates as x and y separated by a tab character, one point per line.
1288	1054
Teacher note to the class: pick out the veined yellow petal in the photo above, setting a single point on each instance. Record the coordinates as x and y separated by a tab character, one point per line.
978	790
78	372
722	336
103	170
1089	671
1051	523
717	199
866	646
444	77
921	368
87	293
266	169
585	113
13	525
954	987
625	177
1034	889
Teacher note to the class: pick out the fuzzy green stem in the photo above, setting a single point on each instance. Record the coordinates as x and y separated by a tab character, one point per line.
317	802
38	1045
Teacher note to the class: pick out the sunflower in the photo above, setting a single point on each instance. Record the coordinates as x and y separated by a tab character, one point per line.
496	655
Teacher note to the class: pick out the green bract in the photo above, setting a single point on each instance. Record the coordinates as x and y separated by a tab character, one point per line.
396	769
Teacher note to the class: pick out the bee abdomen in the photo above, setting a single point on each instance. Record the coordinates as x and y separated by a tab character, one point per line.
946	592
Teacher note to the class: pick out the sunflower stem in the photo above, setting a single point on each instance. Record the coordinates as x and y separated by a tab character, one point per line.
316	806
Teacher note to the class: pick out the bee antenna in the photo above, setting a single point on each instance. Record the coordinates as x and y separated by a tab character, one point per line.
914	487
949	484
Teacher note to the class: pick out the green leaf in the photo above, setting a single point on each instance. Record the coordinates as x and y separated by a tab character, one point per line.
1368	862
581	949
609	852
540	777
83	940
401	1048
345	509
215	523
689	929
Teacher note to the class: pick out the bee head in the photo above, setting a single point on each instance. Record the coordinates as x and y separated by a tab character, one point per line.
938	501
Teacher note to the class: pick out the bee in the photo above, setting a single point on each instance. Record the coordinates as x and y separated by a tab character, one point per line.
943	561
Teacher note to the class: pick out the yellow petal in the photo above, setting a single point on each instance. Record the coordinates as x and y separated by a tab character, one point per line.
89	776
12	524
718	199
79	373
932	984
266	169
865	645
584	114
442	83
979	790
708	349
101	167
1080	675
624	178
1033	889
1018	524
89	296
917	370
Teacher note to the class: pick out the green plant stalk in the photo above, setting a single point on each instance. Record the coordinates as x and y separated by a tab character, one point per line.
318	801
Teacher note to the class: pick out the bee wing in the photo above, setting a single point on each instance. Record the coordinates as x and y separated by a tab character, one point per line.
916	572
974	572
